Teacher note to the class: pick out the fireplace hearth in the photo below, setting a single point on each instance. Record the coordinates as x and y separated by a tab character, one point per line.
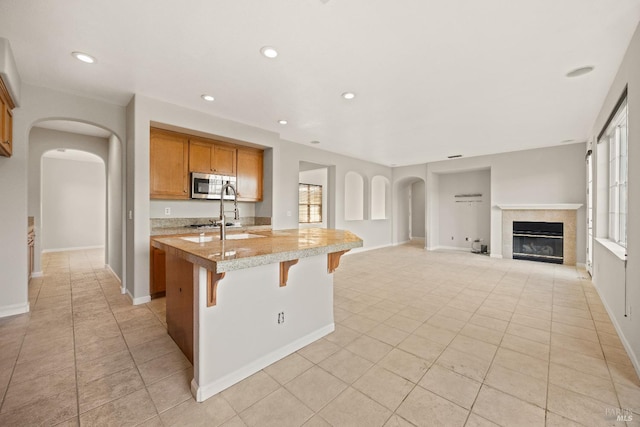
538	241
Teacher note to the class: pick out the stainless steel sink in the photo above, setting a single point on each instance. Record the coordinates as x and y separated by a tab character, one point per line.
241	236
204	239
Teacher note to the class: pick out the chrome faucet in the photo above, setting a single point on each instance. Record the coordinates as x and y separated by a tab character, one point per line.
223	220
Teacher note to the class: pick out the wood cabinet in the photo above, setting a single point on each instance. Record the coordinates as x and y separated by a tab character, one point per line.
180	303
174	155
249	174
206	156
157	273
6	121
169	165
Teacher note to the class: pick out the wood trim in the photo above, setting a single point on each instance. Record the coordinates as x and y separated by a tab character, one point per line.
4	92
284	271
333	260
212	287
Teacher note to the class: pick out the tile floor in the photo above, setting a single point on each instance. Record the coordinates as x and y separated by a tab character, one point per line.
422	338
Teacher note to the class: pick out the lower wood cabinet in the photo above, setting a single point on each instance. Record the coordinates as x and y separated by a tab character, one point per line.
180	303
157	273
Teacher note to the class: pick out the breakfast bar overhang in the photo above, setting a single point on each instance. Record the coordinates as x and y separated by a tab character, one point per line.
235	306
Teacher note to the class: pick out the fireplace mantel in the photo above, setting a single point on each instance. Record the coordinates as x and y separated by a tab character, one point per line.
553	206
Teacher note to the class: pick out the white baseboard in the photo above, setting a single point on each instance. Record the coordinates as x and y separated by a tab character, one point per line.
37	274
13	309
452	248
202	393
401	243
78	248
139	300
365	249
108	267
492	255
629	349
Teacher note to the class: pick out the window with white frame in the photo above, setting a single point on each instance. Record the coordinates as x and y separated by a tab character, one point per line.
615	136
309	203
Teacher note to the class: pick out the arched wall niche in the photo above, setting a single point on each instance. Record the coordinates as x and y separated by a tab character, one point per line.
379	197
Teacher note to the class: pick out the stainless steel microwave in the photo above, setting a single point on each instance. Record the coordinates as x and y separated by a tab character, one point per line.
209	186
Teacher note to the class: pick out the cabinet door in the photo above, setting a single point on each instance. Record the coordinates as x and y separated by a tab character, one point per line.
169	154
157	279
200	156
249	170
224	160
6	127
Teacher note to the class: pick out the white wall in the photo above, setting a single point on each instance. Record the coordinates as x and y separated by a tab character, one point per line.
539	176
73	204
418	210
115	202
464	217
317	177
36	104
609	269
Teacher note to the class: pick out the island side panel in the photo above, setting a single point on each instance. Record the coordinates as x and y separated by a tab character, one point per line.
179	301
240	334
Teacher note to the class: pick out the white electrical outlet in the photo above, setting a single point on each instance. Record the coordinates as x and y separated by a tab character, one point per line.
167	211
281	318
288	213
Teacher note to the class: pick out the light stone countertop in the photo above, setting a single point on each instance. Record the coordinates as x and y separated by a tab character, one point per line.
277	246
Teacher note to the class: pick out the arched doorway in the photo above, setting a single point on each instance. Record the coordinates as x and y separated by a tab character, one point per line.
409	210
52	141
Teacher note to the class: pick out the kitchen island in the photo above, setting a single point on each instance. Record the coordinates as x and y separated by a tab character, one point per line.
239	305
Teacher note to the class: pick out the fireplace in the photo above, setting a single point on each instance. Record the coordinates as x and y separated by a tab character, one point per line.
538	241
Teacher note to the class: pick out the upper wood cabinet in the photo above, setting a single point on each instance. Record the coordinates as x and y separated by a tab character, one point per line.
6	121
169	167
249	175
209	157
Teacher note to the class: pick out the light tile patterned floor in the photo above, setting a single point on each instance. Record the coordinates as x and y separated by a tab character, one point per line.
422	338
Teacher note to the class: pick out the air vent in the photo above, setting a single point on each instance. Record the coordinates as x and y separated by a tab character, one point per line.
455	156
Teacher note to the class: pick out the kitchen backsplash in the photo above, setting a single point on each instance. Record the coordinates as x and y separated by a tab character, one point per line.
185	222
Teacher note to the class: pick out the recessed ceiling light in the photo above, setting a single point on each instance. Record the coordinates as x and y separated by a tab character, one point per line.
62	150
84	57
208	98
580	71
455	156
315	142
348	95
269	52
283	122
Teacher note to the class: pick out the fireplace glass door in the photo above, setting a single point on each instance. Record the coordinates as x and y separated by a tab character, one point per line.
538	241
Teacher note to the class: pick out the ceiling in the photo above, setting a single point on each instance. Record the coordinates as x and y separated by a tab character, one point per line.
432	78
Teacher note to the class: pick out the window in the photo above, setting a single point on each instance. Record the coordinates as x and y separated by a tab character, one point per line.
615	137
309	203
